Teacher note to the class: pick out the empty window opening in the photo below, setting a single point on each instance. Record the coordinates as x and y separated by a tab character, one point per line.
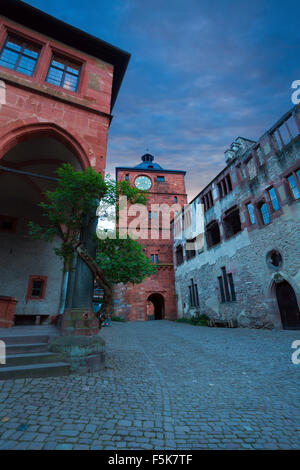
160	179
179	255
213	236
232	222
191	248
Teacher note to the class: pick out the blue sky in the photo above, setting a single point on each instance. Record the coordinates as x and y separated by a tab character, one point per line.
202	73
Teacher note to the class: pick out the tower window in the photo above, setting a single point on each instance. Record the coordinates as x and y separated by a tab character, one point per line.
175	199
19	55
63	73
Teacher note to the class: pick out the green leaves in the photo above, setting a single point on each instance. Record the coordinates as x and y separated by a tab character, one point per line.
123	260
70	208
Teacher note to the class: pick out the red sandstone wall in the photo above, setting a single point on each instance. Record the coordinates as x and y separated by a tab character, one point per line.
83	116
131	300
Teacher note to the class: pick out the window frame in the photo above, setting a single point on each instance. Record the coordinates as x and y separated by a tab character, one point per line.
33	278
26	41
160	179
226	287
68	63
297	184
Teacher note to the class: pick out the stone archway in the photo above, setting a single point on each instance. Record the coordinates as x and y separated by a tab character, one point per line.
30	272
288	305
158	306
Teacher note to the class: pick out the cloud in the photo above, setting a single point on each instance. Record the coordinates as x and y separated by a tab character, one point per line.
201	74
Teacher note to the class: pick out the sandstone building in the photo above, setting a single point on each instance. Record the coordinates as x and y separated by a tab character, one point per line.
155	297
58	86
248	267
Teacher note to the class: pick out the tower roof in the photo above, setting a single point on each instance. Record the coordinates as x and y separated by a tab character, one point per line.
148	165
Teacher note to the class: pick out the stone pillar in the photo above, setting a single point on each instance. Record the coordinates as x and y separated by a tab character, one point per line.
79	318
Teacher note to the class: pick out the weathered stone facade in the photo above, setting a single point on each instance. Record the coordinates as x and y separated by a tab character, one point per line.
248	269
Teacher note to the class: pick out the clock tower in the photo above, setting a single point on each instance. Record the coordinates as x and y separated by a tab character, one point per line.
154	298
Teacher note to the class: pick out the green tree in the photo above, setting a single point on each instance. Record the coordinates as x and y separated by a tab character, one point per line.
70	211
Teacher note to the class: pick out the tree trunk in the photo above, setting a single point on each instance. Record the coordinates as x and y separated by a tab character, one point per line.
100	279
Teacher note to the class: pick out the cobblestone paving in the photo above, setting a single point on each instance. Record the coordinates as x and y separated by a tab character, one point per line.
166	386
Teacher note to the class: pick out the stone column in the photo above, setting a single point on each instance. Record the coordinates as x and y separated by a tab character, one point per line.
79	318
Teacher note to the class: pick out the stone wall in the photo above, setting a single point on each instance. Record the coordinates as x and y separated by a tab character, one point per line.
245	254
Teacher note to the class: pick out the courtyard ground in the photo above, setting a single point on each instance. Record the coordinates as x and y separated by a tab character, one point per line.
167	385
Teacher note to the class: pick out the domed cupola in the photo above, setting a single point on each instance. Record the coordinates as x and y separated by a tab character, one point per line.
147	158
147	163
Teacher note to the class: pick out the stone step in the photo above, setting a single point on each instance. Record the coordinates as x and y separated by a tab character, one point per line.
24	339
26	348
53	369
31	358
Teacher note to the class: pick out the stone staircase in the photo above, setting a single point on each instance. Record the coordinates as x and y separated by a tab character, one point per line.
29	356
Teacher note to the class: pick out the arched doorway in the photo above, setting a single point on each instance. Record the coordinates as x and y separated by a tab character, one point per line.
30	272
288	306
158	306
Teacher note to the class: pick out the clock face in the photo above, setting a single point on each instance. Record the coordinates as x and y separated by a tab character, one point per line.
143	183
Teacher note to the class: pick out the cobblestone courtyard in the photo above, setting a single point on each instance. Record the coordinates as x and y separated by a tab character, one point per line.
166	386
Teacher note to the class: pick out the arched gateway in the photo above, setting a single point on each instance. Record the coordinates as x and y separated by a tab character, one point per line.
158	306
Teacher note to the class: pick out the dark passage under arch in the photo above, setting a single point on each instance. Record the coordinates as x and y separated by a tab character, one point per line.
159	305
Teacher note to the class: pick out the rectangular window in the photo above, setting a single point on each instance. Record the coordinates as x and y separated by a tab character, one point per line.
274	200
19	55
160	179
293	185
231	285
264	213
224	186
154	259
232	222
179	255
250	209
226	287
36	288
193	292
63	73
126	177
221	288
